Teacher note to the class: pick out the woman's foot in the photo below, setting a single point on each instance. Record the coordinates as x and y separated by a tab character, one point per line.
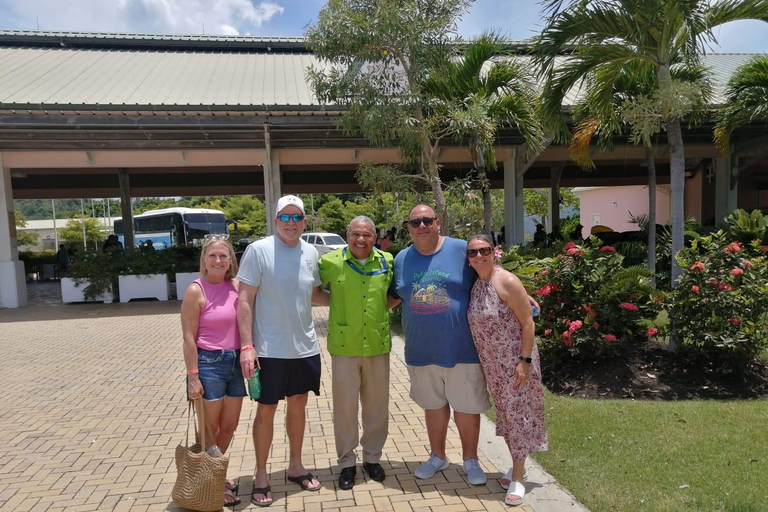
231	485
230	500
261	496
507	478
516	494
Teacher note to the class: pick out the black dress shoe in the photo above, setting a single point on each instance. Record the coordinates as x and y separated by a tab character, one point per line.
375	470
347	478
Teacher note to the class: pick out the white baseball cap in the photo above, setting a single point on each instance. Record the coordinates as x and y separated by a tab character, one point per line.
288	201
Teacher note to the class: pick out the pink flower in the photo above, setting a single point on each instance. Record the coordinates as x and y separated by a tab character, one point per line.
697	266
628	306
734	321
596	326
569	246
568	342
575	251
725	287
610	338
653	331
497	252
547	332
695	289
543	291
543	272
733	247
574	325
737	272
607	248
712	280
747	264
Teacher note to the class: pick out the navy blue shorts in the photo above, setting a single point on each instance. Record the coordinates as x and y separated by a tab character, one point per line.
220	373
287	377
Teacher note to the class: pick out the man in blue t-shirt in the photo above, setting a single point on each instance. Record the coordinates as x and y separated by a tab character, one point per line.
433	280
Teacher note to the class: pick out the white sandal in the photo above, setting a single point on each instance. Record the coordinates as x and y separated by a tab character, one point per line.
517	490
508	477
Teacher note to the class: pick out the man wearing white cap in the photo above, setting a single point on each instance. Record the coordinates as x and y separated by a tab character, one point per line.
279	280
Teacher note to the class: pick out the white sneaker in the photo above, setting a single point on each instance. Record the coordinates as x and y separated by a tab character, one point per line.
474	472
432	466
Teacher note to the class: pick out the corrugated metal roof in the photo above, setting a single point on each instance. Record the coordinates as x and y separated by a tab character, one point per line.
173	77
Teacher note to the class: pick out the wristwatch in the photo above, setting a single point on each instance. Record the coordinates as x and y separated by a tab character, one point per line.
528	360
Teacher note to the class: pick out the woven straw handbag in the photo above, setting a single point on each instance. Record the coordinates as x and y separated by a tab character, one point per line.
199	477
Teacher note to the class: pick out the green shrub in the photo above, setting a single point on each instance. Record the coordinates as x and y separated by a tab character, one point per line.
720	305
591	305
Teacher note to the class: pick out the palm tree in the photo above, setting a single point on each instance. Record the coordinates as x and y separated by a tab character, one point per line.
478	94
633	89
603	36
746	95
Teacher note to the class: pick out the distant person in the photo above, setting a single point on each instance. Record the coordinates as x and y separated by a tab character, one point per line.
62	258
386	241
499	315
576	234
113	245
540	236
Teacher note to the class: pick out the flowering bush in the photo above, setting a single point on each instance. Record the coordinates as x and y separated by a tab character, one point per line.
720	305
591	305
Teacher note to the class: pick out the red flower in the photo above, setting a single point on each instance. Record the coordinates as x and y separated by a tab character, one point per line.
628	306
653	331
695	289
551	314
734	321
712	280
574	325
596	325
737	272
569	246
747	264
547	332
543	272
697	266
610	338
543	291
567	342
607	248
574	251
733	247
725	287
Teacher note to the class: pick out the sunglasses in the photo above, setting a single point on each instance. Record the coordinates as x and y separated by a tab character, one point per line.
285	217
484	251
427	221
216	237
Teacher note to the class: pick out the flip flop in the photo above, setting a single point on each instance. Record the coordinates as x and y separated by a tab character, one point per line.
231	485
508	477
515	490
264	491
232	503
302	481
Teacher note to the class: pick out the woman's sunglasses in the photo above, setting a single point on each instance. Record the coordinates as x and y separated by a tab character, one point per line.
216	237
417	222
285	217
484	251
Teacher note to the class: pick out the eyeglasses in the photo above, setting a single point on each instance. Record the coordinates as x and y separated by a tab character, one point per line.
285	217
417	222
484	251
221	237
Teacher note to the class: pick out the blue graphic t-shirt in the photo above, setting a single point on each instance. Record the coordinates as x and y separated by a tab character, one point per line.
435	294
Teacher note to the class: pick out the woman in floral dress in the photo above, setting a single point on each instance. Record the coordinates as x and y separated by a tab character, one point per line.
502	327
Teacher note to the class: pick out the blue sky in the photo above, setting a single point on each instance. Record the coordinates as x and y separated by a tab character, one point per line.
519	19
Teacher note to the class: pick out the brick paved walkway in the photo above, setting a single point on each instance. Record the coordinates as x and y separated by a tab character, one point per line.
94	407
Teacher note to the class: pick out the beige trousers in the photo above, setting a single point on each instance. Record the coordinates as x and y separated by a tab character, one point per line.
365	379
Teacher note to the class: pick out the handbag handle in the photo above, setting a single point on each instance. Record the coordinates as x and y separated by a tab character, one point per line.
199	416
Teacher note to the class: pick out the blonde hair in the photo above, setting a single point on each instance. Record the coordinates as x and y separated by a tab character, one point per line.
232	270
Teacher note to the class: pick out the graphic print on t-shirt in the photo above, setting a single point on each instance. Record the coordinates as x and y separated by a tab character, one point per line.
429	294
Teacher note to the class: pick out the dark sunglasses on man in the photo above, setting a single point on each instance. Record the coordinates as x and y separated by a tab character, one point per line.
285	217
427	221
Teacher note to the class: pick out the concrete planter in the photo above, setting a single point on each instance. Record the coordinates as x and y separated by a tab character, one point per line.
183	280
73	292
155	286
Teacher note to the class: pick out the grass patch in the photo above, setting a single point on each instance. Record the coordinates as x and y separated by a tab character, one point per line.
619	455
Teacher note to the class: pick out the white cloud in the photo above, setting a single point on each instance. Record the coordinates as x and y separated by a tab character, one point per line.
146	16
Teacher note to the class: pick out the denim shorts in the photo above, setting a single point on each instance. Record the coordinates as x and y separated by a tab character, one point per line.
220	374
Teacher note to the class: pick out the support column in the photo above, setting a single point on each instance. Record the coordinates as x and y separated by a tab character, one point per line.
13	285
555	173
726	188
126	208
514	208
272	182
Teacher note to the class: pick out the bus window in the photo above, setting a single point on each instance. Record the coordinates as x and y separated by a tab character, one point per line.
201	224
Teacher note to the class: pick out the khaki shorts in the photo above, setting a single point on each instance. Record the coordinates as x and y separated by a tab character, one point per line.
463	387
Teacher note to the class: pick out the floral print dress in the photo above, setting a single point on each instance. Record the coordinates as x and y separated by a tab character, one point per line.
498	338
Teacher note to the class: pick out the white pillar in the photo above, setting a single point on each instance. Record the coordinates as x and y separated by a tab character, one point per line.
514	208
726	188
272	184
13	286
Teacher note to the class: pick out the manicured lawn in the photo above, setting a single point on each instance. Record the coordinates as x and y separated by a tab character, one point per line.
618	455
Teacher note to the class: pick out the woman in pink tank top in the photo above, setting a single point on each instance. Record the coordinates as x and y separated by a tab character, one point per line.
212	347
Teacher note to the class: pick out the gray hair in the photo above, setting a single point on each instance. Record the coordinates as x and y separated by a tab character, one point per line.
362	218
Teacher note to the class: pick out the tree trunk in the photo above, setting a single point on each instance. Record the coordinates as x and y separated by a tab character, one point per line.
487	214
651	211
433	171
677	172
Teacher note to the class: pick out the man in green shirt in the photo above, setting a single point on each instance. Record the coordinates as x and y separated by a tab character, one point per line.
359	343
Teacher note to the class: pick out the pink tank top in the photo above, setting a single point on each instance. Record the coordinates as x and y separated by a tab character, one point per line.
217	329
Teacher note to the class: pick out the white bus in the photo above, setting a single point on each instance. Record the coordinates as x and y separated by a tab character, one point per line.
174	226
